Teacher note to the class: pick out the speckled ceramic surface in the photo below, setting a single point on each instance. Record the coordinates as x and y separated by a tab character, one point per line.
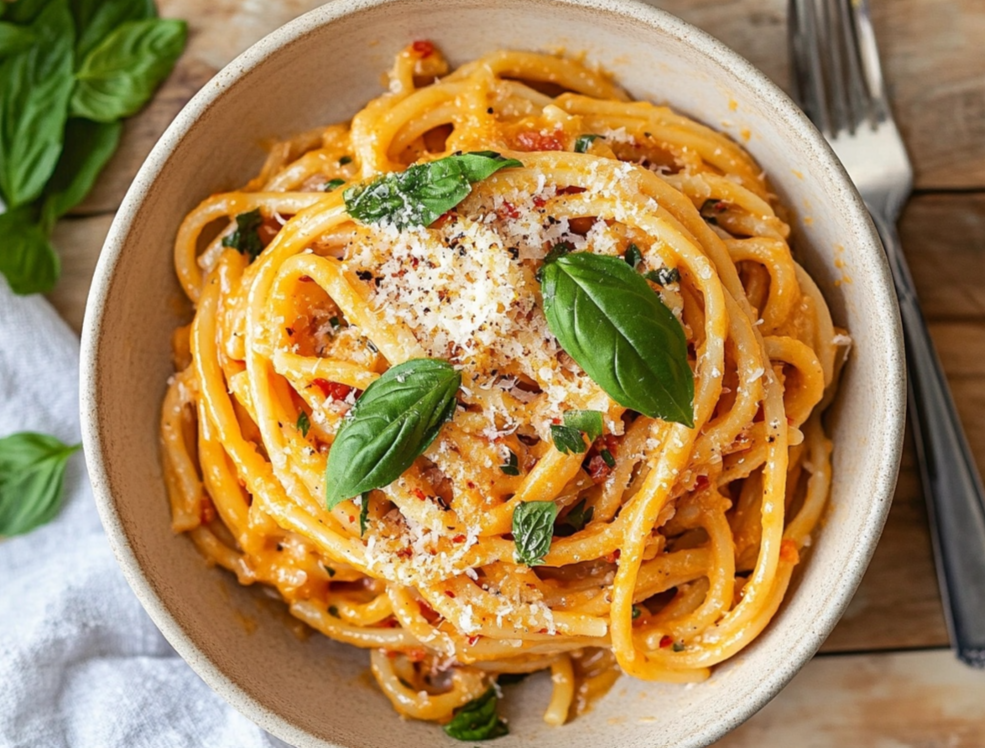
322	68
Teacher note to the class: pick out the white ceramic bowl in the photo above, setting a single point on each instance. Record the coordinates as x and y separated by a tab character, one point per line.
322	68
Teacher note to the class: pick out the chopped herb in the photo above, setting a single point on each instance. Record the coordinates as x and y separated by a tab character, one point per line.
677	647
607	458
575	520
363	514
304	423
511	467
533	528
345	160
567	440
711	209
587	421
637	612
333	611
664	276
633	256
478	720
334	322
584	142
333	184
245	238
330	571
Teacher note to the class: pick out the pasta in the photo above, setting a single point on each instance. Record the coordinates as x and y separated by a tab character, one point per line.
657	546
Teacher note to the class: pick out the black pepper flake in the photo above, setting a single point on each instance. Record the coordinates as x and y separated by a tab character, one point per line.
290	330
514	252
364	275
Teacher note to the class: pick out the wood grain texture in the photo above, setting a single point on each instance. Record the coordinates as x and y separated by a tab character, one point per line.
901	700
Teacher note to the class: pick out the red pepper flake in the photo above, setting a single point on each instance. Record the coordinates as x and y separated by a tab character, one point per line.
473	639
405	553
423	48
665	642
541	631
539	141
332	390
614	556
206	511
416	654
419	494
458	539
701	483
789	553
389	623
508	210
571	190
429	613
305	279
450	594
539	201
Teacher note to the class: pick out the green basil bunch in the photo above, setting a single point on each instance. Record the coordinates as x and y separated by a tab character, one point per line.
70	70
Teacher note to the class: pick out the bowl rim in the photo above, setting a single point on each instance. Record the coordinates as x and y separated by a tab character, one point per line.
732	65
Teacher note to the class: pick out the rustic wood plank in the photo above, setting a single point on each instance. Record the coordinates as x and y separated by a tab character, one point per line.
932	58
925	699
79	241
944	239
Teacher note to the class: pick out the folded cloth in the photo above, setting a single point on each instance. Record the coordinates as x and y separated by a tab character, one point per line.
81	663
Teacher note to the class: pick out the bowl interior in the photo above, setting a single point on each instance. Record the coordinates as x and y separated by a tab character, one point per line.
323	68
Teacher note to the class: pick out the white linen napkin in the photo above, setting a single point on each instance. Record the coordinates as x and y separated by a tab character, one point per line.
81	664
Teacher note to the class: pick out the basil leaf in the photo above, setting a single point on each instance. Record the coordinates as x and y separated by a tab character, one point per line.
14	38
584	142
27	258
558	250
121	73
664	276
88	146
95	19
24	11
390	426
245	238
32	473
567	440
587	421
35	86
512	467
478	720
533	528
609	320
419	195
575	520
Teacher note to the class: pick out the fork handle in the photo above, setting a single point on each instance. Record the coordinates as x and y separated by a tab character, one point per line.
951	483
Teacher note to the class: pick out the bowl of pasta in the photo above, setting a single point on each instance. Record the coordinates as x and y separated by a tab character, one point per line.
553	386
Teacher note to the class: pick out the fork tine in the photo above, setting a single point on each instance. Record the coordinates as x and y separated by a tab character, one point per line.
808	70
868	53
842	116
855	88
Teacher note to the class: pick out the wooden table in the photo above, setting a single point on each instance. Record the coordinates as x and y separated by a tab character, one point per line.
885	677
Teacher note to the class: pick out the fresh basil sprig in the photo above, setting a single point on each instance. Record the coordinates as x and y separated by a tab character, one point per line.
69	70
118	77
391	425
533	528
609	320
478	720
32	473
419	195
575	520
567	438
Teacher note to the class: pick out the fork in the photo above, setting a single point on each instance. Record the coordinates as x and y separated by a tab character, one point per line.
838	82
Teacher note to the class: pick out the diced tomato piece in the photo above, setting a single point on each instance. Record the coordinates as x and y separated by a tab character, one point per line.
534	140
597	469
332	390
429	613
701	483
423	48
665	642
